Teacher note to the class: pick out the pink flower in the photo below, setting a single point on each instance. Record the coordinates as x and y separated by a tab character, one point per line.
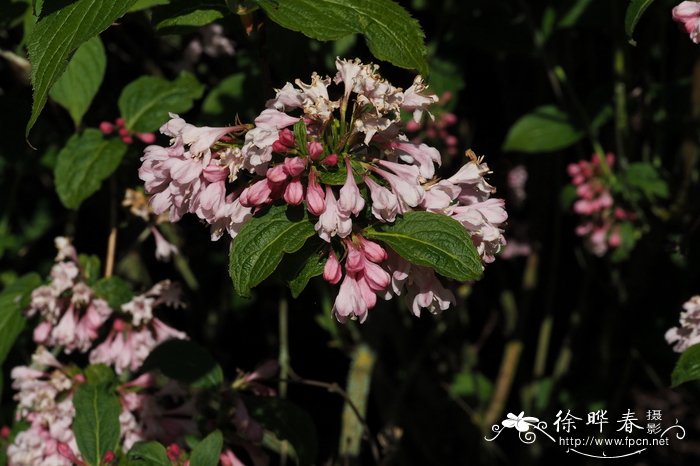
332	221
404	183
385	205
349	302
315	149
687	333
421	155
351	200
164	249
688	14
416	99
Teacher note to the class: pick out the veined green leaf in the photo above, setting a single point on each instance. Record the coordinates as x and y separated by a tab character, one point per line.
431	240
391	33
61	29
78	85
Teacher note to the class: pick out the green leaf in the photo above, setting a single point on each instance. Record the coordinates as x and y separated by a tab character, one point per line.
207	452
645	181
114	290
688	366
572	16
546	129
634	13
90	266
220	99
300	267
58	33
146	4
148	454
97	374
145	102
183	16
85	161
258	249
288	422
431	240
185	361
390	31
96	422
13	299
79	83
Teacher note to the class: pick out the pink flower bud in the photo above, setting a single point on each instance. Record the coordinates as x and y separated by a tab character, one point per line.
294	192
146	138
119	325
286	137
356	260
351	200
412	126
106	127
123	132
257	194
315	150
294	166
332	272
448	119
315	197
331	160
108	457
127	139
65	451
120	122
173	451
373	251
280	148
5	432
277	174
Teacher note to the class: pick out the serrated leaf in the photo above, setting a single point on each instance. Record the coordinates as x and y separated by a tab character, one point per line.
57	35
258	249
96	422
85	161
185	361
183	16
288	422
390	31
79	83
148	454
207	452
145	102
546	129
634	13
431	240
13	299
688	366
114	290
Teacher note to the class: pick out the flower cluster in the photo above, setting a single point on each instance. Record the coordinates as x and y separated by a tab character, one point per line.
688	15
73	319
347	162
687	333
601	218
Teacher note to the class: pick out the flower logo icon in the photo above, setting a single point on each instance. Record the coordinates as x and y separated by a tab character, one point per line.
520	422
